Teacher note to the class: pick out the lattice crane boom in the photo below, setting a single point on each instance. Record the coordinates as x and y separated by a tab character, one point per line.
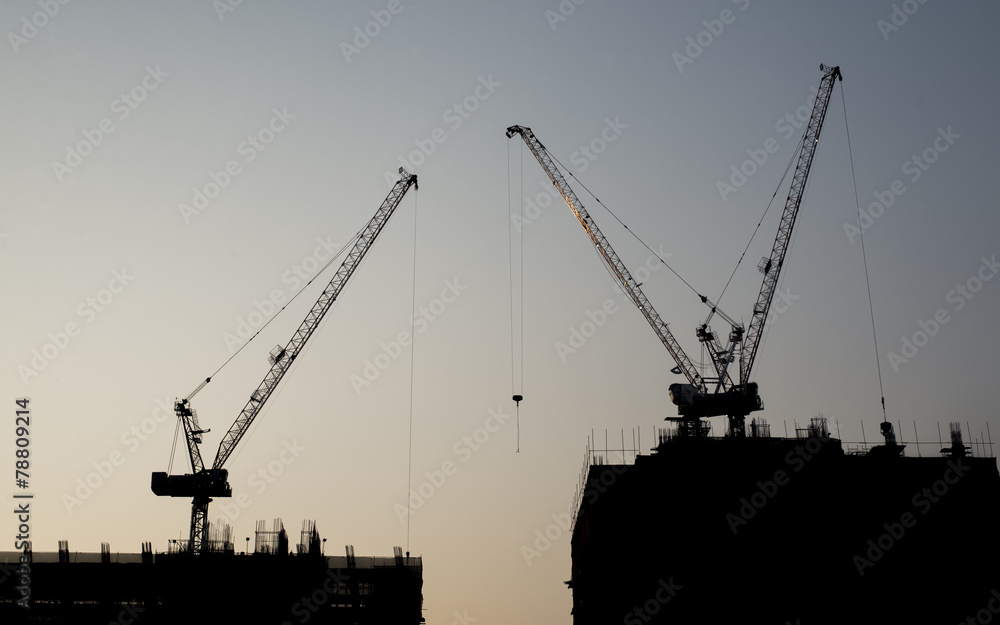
283	358
203	484
630	286
771	266
695	400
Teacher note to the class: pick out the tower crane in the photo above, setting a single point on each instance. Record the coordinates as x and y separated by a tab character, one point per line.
202	484
694	400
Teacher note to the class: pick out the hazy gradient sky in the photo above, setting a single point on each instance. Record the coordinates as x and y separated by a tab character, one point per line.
115	114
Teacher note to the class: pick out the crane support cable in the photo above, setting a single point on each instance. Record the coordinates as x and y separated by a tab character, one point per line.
719	354
629	230
714	306
283	358
864	256
630	286
771	266
781	182
173	448
208	483
268	322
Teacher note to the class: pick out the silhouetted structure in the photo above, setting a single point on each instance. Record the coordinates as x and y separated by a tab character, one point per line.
778	530
220	586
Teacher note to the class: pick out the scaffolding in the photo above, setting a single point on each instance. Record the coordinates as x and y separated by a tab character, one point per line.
273	541
309	540
220	538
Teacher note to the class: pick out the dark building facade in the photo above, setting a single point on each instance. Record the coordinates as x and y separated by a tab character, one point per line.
778	530
268	588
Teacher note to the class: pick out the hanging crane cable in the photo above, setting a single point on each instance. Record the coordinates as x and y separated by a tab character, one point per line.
871	309
516	382
413	349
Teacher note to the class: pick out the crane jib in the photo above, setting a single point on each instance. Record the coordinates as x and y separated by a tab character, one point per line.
204	483
259	397
693	399
610	257
771	267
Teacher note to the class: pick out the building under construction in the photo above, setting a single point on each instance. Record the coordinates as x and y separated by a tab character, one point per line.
750	528
787	530
271	584
203	579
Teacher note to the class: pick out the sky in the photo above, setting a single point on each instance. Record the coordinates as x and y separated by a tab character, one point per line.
174	173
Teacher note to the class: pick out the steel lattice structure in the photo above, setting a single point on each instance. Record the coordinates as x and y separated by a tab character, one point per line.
202	484
617	267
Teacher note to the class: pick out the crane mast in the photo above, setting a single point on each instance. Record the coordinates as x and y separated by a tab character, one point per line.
203	484
615	264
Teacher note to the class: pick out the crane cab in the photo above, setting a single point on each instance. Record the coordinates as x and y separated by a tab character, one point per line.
740	400
683	394
205	483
